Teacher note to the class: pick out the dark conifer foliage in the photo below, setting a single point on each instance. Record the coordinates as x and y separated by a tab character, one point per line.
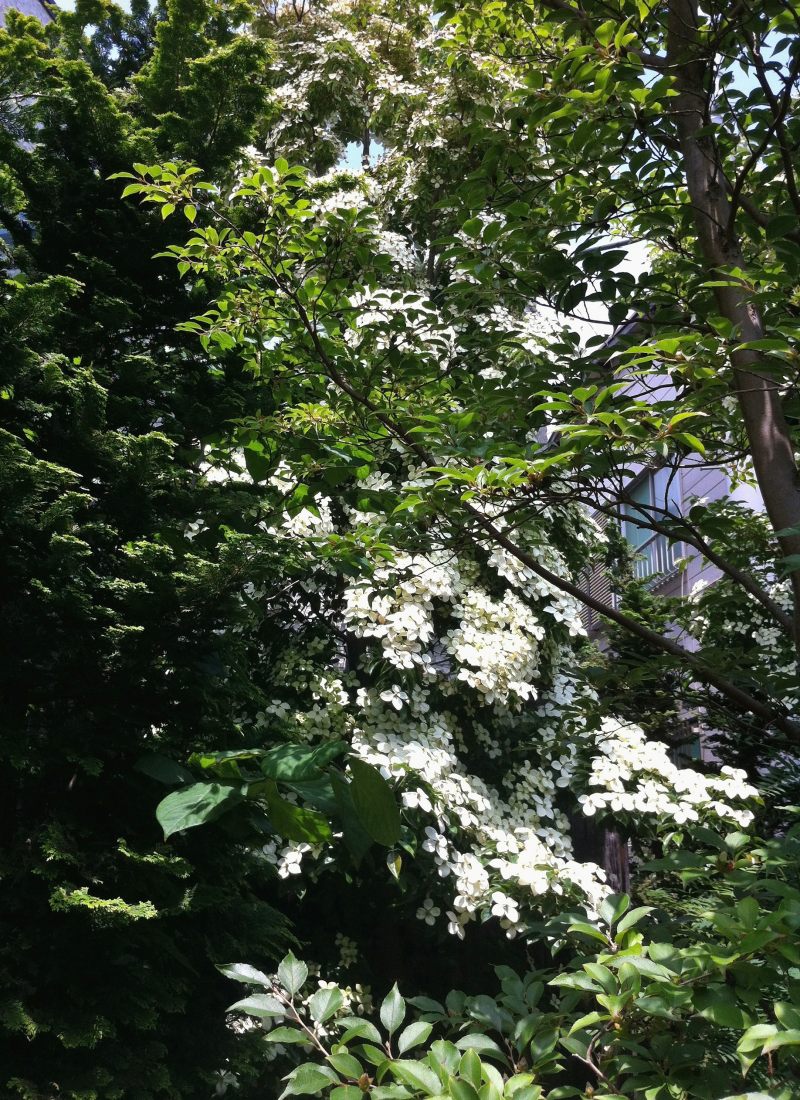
112	613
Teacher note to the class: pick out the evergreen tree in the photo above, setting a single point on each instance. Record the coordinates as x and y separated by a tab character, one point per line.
126	638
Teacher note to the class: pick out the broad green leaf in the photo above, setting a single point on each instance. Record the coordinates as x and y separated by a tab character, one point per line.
613	907
375	803
588	930
478	1042
755	1036
789	1015
163	769
356	1028
357	840
632	918
296	822
292	974
417	1075
288	1035
347	1065
425	1004
470	1068
195	805
413	1035
719	1004
589	1020
393	1010
347	1092
296	763
790	1037
324	1003
309	1079
259	1004
243	972
461	1089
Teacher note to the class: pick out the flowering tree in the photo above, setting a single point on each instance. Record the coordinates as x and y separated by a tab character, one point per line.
400	488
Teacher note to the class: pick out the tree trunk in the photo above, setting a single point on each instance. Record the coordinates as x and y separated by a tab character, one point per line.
604	845
758	394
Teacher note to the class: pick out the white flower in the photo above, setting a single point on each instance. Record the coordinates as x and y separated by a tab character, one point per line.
395	697
428	911
504	907
455	924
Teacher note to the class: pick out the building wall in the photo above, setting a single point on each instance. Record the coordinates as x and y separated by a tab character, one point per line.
27	7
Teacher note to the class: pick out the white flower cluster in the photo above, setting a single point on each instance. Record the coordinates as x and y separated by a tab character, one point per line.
467	647
287	857
633	775
348	950
396	606
511	848
730	611
495	645
466	687
560	606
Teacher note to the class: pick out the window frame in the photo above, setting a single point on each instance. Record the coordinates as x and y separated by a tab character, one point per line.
656	556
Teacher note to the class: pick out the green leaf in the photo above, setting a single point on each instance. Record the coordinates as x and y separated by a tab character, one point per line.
243	972
791	1037
297	823
632	918
479	1042
461	1089
470	1068
288	1035
393	1010
492	232
425	1004
298	763
755	1037
309	1079
195	805
613	907
589	1020
413	1035
324	1003
789	1015
292	974
719	1005
375	803
356	838
572	297
417	1075
358	1029
163	769
347	1065
588	930
259	1004
749	1096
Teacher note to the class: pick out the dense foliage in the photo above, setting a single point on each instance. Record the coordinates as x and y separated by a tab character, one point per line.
122	634
304	420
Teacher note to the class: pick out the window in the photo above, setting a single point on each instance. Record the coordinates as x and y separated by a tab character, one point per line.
654	493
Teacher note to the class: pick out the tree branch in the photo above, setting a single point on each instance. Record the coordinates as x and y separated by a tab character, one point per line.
776	716
689	534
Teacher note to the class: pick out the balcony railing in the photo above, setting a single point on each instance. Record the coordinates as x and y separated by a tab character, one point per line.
656	559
